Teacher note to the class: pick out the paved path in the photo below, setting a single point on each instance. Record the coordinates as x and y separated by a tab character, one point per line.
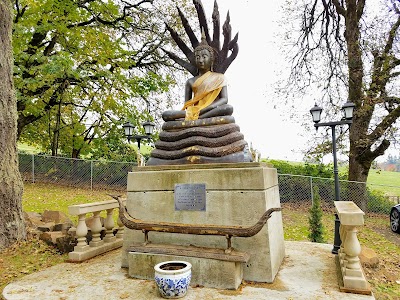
308	273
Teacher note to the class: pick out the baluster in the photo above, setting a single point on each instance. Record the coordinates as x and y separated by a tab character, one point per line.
109	225
96	230
353	277
81	232
352	248
121	228
342	254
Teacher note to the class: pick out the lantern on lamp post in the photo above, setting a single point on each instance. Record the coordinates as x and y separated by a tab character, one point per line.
128	129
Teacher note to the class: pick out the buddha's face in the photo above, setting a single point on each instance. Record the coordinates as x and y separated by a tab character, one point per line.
203	59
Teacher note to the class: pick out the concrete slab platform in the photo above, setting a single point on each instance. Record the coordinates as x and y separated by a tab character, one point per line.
308	272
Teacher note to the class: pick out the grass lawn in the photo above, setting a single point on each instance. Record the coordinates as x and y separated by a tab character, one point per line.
33	255
39	197
390	180
28	148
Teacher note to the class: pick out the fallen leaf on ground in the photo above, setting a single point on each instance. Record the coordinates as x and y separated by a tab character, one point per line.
124	296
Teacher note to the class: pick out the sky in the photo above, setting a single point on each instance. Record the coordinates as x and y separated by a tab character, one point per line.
253	75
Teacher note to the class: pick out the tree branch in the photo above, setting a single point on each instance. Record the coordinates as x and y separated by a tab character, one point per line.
20	12
339	8
360	8
387	122
380	150
391	36
51	45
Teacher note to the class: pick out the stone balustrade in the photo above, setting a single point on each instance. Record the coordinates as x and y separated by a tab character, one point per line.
353	276
83	250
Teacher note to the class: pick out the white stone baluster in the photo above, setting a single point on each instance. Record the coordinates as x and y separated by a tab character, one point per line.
81	232
352	249
341	253
351	216
121	228
109	226
96	230
83	251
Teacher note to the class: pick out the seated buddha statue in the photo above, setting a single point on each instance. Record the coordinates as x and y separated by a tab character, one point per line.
204	130
206	94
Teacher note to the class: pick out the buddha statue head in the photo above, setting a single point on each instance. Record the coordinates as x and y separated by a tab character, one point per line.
204	55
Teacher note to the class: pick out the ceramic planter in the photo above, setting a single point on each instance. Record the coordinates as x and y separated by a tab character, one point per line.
173	278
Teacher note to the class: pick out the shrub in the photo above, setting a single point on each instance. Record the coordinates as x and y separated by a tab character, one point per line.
315	220
378	202
306	169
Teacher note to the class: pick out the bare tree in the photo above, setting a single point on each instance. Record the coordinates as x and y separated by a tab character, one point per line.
365	59
12	226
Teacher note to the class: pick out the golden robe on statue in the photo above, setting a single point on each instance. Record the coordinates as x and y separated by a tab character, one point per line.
206	89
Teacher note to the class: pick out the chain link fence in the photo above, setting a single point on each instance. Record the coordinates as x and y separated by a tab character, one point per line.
93	174
295	190
298	192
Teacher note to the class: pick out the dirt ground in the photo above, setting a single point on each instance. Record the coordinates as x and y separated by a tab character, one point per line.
388	234
385	278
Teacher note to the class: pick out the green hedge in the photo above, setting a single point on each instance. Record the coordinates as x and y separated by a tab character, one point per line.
378	202
306	169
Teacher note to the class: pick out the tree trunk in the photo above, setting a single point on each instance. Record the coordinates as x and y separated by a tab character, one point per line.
358	171
12	226
56	133
75	153
358	164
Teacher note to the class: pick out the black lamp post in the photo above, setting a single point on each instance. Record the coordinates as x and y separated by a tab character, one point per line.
148	128
316	111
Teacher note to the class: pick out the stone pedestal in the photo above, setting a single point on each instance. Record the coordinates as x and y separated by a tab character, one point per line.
236	194
205	272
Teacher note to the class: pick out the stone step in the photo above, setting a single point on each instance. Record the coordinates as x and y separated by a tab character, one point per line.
206	272
192	251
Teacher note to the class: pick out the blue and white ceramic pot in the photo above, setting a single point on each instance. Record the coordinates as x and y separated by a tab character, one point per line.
173	278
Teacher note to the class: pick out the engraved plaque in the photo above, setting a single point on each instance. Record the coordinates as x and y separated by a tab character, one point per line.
189	196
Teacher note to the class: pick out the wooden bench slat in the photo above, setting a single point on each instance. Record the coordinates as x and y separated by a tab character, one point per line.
192	251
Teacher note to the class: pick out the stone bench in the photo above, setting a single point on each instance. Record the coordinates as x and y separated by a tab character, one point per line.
354	280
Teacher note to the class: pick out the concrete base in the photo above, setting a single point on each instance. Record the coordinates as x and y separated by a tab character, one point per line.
205	272
91	251
308	272
236	194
